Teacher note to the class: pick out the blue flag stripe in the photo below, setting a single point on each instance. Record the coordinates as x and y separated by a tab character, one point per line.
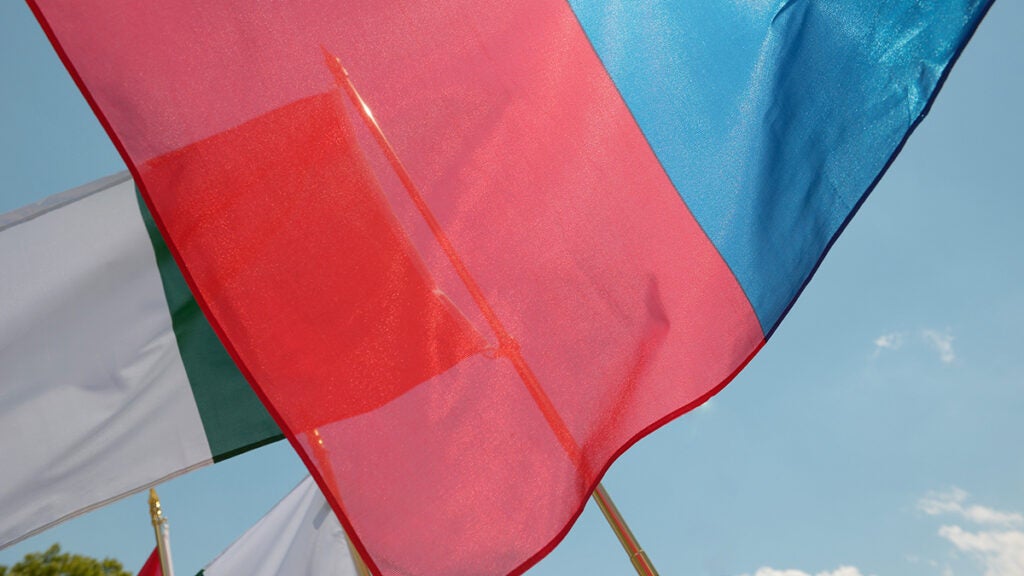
774	119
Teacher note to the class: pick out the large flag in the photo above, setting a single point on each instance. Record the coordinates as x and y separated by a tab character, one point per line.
300	536
623	198
111	380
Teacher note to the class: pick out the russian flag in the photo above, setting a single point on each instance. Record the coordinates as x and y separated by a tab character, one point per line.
602	209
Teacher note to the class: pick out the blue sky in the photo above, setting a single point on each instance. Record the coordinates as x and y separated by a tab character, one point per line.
878	433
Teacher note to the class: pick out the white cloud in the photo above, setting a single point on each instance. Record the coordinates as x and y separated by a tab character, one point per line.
841	571
891	341
1001	552
942	342
953	502
935	503
999	548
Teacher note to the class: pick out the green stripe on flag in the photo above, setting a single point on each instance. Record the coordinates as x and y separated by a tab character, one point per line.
234	419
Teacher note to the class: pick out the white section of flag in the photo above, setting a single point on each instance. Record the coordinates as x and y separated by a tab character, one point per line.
300	536
95	403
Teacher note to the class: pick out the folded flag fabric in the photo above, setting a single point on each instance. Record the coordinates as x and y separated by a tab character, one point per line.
152	566
300	536
112	380
602	209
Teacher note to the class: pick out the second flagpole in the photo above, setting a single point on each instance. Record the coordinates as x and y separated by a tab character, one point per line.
160	528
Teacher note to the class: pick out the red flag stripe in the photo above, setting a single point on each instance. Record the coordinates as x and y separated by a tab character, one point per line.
521	146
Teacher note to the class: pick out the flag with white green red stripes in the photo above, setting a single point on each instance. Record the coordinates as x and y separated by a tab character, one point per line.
112	379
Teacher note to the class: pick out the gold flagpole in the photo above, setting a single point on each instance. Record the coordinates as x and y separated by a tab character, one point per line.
507	345
641	563
163	542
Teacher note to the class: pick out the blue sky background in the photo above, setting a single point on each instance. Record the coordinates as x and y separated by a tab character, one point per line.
880	430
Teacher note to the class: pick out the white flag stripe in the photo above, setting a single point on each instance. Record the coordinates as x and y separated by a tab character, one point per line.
300	536
94	400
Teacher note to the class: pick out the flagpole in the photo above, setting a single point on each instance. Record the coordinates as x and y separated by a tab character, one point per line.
507	344
160	528
641	563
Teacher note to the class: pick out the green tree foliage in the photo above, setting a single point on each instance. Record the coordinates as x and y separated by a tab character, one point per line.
54	563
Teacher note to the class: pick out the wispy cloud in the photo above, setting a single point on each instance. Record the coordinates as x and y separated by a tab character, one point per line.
999	549
1001	552
996	542
953	501
841	571
890	341
942	342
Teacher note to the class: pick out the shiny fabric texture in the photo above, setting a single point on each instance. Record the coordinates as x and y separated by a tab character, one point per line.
637	190
773	118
